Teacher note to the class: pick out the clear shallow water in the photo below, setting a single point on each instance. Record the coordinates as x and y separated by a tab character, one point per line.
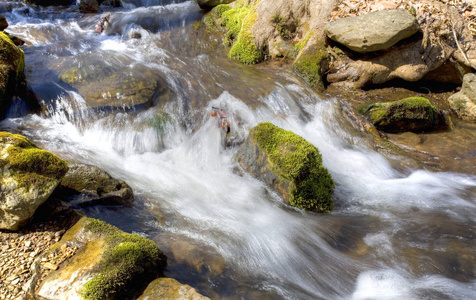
393	234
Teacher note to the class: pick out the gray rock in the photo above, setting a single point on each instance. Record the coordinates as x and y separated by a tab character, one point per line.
86	185
463	103
374	31
28	176
209	4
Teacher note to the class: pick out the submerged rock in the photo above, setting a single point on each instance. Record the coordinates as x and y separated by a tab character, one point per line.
170	289
209	4
463	103
414	114
112	81
288	164
374	31
12	65
28	177
87	185
108	264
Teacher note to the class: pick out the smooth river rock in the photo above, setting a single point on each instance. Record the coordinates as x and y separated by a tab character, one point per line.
463	103
288	164
374	31
28	177
170	289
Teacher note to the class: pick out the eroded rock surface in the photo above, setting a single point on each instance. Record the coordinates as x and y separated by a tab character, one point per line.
463	103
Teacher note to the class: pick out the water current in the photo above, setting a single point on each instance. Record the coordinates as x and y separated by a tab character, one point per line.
395	233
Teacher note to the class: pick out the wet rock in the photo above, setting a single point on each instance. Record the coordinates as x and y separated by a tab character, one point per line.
288	164
108	264
374	31
311	65
12	65
414	114
209	4
28	177
110	82
463	103
88	6
86	185
3	23
49	2
168	288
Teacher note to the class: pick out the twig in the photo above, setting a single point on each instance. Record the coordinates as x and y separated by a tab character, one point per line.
459	47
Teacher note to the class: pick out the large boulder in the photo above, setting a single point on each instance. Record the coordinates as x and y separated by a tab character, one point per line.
108	264
288	164
415	114
86	185
12	66
112	81
463	103
209	4
374	31
28	177
171	289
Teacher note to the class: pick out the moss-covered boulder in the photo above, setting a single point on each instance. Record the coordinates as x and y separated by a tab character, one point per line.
415	114
12	65
289	164
209	4
170	289
112	81
463	103
237	21
108	264
86	185
311	66
28	177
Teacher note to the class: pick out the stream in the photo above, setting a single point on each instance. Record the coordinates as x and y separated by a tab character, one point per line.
395	232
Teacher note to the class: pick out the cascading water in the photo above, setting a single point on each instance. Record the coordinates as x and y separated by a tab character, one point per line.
394	234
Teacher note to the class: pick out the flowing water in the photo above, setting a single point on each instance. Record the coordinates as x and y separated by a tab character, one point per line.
395	233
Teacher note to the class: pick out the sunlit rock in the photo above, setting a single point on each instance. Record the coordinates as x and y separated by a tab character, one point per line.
374	31
414	114
463	103
12	65
108	264
28	177
171	289
288	164
86	185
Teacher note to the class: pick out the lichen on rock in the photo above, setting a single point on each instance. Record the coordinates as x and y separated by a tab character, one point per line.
414	114
28	177
288	164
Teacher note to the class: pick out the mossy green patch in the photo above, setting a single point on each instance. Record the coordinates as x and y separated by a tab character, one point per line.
309	66
408	114
29	165
129	259
298	161
213	18
12	65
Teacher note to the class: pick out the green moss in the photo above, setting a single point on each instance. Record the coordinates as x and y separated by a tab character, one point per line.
213	17
309	67
130	259
409	114
101	228
303	42
300	162
12	65
30	166
159	122
239	21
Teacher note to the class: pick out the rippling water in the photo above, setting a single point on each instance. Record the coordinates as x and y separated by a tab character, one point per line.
395	233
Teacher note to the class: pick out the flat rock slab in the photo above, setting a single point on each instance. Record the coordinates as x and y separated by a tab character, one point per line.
374	31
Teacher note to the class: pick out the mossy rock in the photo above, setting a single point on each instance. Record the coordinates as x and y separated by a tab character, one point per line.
311	66
415	114
209	4
109	263
237	22
170	289
28	177
289	164
12	65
